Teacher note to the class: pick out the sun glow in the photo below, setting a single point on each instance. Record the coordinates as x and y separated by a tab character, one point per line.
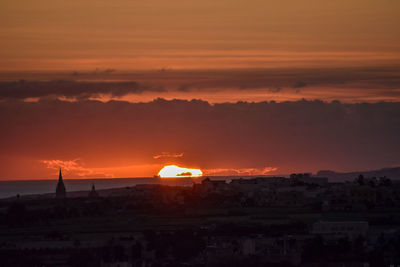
173	171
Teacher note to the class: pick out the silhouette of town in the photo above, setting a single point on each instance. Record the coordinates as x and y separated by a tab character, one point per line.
301	220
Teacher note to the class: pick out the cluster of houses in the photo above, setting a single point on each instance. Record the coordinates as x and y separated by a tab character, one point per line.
330	238
303	189
219	240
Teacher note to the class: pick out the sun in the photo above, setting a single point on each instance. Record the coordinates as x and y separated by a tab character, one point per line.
173	171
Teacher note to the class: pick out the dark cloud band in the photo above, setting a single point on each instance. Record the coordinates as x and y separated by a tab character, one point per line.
70	89
354	82
291	136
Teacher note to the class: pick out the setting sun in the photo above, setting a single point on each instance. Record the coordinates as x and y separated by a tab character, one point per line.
176	171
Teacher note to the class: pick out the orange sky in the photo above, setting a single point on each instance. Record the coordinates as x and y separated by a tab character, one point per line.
280	86
180	34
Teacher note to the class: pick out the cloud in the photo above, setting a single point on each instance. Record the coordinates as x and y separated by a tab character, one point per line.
77	168
243	171
168	155
347	84
299	84
184	174
244	137
70	89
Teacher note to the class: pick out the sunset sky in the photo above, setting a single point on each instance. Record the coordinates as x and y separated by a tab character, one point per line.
152	34
122	88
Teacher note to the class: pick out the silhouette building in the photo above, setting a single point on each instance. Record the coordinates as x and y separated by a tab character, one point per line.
60	190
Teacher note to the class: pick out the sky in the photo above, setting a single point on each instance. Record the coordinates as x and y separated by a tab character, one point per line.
155	34
122	88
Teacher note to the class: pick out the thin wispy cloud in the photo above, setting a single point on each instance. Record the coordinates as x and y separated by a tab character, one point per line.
76	168
242	172
168	155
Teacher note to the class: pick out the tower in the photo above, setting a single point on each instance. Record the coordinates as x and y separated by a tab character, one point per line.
60	190
93	193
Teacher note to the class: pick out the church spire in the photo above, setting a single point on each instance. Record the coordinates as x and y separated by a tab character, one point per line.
60	190
93	193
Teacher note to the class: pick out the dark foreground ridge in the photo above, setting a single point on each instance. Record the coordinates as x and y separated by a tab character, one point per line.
263	221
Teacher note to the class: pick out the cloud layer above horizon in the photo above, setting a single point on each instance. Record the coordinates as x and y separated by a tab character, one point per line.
346	84
122	139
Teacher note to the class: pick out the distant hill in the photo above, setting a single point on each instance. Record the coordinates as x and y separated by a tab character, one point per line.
392	173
